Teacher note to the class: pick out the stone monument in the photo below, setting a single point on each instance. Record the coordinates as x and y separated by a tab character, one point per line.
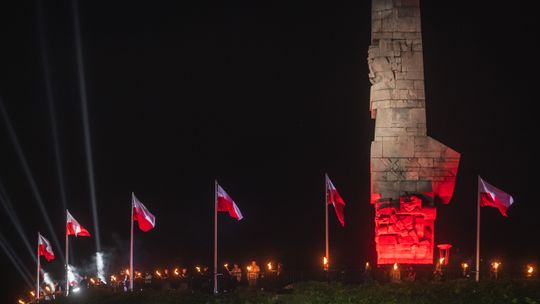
410	171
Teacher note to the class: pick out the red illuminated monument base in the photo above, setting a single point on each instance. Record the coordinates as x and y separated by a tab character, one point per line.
404	231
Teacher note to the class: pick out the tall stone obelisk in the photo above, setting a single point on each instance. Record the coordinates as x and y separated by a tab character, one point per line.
410	171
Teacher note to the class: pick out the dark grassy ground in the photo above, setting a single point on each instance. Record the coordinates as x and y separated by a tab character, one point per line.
455	291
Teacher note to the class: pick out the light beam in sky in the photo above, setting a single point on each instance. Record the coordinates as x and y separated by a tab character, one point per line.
86	124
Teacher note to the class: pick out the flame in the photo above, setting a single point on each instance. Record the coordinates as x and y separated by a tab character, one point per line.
464	265
198	268
138	274
325	261
21	302
530	269
495	265
127	271
113	278
176	272
33	294
226	265
158	273
367	264
269	265
395	266
441	261
93	281
248	268
47	289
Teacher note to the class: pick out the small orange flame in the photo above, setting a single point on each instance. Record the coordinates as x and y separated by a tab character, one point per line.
464	266
495	265
198	268
395	266
21	302
530	270
269	265
33	294
176	272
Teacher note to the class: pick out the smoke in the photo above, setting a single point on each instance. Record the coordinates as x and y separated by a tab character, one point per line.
73	275
47	280
100	265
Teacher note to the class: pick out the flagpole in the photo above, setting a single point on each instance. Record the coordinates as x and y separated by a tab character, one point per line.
37	276
326	219
67	258
131	249
215	238
477	275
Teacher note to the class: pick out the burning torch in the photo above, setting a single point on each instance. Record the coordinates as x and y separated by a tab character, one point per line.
464	268
325	263
530	271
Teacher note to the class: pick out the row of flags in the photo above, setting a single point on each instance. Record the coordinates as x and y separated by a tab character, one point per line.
145	219
488	195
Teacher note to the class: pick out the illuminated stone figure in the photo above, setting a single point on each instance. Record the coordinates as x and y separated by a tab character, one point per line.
410	171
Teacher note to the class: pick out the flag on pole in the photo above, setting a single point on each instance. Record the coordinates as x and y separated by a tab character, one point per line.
74	228
335	199
493	197
45	248
226	204
145	219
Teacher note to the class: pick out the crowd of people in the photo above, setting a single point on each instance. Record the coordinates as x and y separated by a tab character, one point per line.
196	279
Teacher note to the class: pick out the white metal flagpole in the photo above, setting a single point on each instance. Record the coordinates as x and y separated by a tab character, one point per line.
215	238
131	250
326	220
38	267
477	275
67	258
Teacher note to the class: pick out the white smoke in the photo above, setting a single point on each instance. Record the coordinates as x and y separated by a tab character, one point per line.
73	276
47	280
100	265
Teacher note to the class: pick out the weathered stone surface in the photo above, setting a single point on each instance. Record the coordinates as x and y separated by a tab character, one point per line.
410	171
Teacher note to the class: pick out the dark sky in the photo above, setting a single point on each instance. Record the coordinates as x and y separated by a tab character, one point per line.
266	97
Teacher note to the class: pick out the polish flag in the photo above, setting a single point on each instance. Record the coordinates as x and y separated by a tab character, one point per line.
493	197
335	199
74	228
45	248
226	204
146	219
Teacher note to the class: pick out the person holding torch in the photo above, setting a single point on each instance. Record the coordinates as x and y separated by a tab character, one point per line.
253	274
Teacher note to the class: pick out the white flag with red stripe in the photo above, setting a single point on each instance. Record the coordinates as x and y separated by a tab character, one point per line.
45	248
74	228
494	197
145	219
335	199
226	204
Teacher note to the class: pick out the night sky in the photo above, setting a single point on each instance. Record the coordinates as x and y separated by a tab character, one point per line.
265	97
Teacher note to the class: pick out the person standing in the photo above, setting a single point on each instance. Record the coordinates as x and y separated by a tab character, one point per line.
236	273
253	274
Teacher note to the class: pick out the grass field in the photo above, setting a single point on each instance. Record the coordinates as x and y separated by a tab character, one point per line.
455	291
